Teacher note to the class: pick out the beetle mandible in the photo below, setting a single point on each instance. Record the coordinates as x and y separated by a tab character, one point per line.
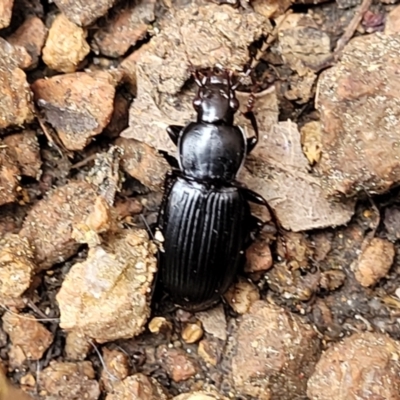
205	215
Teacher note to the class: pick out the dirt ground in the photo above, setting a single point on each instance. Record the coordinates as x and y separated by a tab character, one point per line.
87	91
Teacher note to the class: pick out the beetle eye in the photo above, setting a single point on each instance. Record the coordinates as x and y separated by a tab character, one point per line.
234	103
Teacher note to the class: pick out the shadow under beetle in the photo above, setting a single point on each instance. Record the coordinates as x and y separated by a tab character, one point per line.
205	215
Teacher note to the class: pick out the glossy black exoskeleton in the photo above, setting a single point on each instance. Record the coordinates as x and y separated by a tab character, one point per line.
205	214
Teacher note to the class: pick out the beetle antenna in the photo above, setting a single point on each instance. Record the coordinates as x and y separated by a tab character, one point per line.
266	44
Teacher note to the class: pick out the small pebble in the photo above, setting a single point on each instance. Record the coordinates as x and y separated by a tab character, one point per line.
159	324
192	333
374	262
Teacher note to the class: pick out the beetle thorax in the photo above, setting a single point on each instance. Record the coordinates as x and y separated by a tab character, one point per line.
212	152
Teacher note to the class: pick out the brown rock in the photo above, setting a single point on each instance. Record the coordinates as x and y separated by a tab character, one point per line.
291	283
258	255
179	366
374	262
143	163
27	334
297	197
310	1
120	118
347	3
209	351
77	105
192	333
159	324
241	295
9	176
22	57
70	381
17	357
392	221
25	149
271	8
11	217
16	106
16	266
128	68
321	243
153	131
116	368
361	152
77	346
5	13
206	35
275	353
302	88
214	321
201	395
28	381
127	27
302	44
127	207
298	250
31	35
332	279
138	387
65	46
392	25
83	12
362	366
49	224
105	173
107	296
98	221
311	141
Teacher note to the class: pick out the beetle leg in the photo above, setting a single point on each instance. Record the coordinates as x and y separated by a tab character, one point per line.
171	160
173	132
252	142
255	225
253	196
258	199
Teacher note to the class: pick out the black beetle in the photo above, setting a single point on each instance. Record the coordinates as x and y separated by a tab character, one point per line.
205	215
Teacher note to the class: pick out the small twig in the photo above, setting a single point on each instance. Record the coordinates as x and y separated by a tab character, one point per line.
37	377
270	39
366	322
49	136
123	350
36	309
113	377
351	28
30	319
83	162
347	35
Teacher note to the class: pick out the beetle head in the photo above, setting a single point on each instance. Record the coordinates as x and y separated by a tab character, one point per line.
216	100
